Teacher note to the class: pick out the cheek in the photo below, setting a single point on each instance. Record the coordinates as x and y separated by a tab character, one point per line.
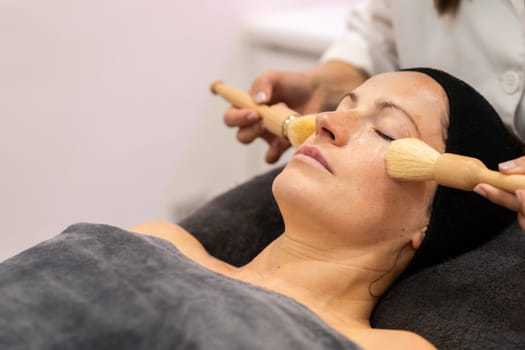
379	197
363	178
364	159
410	202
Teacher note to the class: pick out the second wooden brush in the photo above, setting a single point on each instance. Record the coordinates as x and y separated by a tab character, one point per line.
278	119
411	159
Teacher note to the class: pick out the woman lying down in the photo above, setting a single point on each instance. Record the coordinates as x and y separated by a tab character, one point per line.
350	233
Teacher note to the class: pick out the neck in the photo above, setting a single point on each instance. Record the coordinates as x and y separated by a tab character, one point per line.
338	285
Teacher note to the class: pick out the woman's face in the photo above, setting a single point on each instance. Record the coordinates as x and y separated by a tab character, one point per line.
336	183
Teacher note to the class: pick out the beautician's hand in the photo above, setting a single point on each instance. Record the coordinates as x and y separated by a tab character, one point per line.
296	89
309	91
251	127
511	201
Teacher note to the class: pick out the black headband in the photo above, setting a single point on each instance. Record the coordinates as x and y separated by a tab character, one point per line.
461	220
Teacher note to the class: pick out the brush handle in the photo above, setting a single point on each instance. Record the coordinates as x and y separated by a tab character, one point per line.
465	173
273	117
509	183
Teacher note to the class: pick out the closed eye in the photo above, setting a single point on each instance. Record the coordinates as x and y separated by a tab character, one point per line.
384	136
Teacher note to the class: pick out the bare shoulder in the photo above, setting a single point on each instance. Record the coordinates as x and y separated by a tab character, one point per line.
390	339
184	241
173	233
412	340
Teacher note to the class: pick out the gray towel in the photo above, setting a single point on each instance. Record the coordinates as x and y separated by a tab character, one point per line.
475	301
99	287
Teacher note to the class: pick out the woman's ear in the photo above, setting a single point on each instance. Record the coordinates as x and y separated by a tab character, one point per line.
417	237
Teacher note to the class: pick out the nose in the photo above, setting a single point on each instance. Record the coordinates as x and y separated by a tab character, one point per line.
335	127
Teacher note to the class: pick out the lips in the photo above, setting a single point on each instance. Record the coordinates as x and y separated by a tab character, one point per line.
313	155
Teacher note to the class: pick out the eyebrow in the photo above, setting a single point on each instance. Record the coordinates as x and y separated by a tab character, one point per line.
382	104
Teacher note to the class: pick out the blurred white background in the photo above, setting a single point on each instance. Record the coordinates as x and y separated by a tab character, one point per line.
105	109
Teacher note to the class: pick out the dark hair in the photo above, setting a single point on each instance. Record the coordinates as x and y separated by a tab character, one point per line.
462	220
444	7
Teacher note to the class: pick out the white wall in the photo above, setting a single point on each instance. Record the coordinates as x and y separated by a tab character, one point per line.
105	111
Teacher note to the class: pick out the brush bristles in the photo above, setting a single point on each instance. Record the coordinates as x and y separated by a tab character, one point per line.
300	129
411	160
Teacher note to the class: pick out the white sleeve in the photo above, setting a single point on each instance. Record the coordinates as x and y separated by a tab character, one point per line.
368	41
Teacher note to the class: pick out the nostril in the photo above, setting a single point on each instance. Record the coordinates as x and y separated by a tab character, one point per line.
328	133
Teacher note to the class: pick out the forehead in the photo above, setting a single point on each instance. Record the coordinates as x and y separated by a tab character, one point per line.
411	88
416	92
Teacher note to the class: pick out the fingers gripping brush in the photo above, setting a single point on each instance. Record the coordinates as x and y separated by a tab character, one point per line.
277	119
411	159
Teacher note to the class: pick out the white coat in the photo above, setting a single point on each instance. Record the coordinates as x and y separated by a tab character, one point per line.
483	44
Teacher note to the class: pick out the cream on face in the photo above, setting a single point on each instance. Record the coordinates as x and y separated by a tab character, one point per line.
390	125
356	195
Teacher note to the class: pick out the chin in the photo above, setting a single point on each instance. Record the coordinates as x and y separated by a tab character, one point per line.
295	191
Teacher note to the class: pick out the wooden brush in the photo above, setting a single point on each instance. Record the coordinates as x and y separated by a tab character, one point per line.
278	119
411	159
